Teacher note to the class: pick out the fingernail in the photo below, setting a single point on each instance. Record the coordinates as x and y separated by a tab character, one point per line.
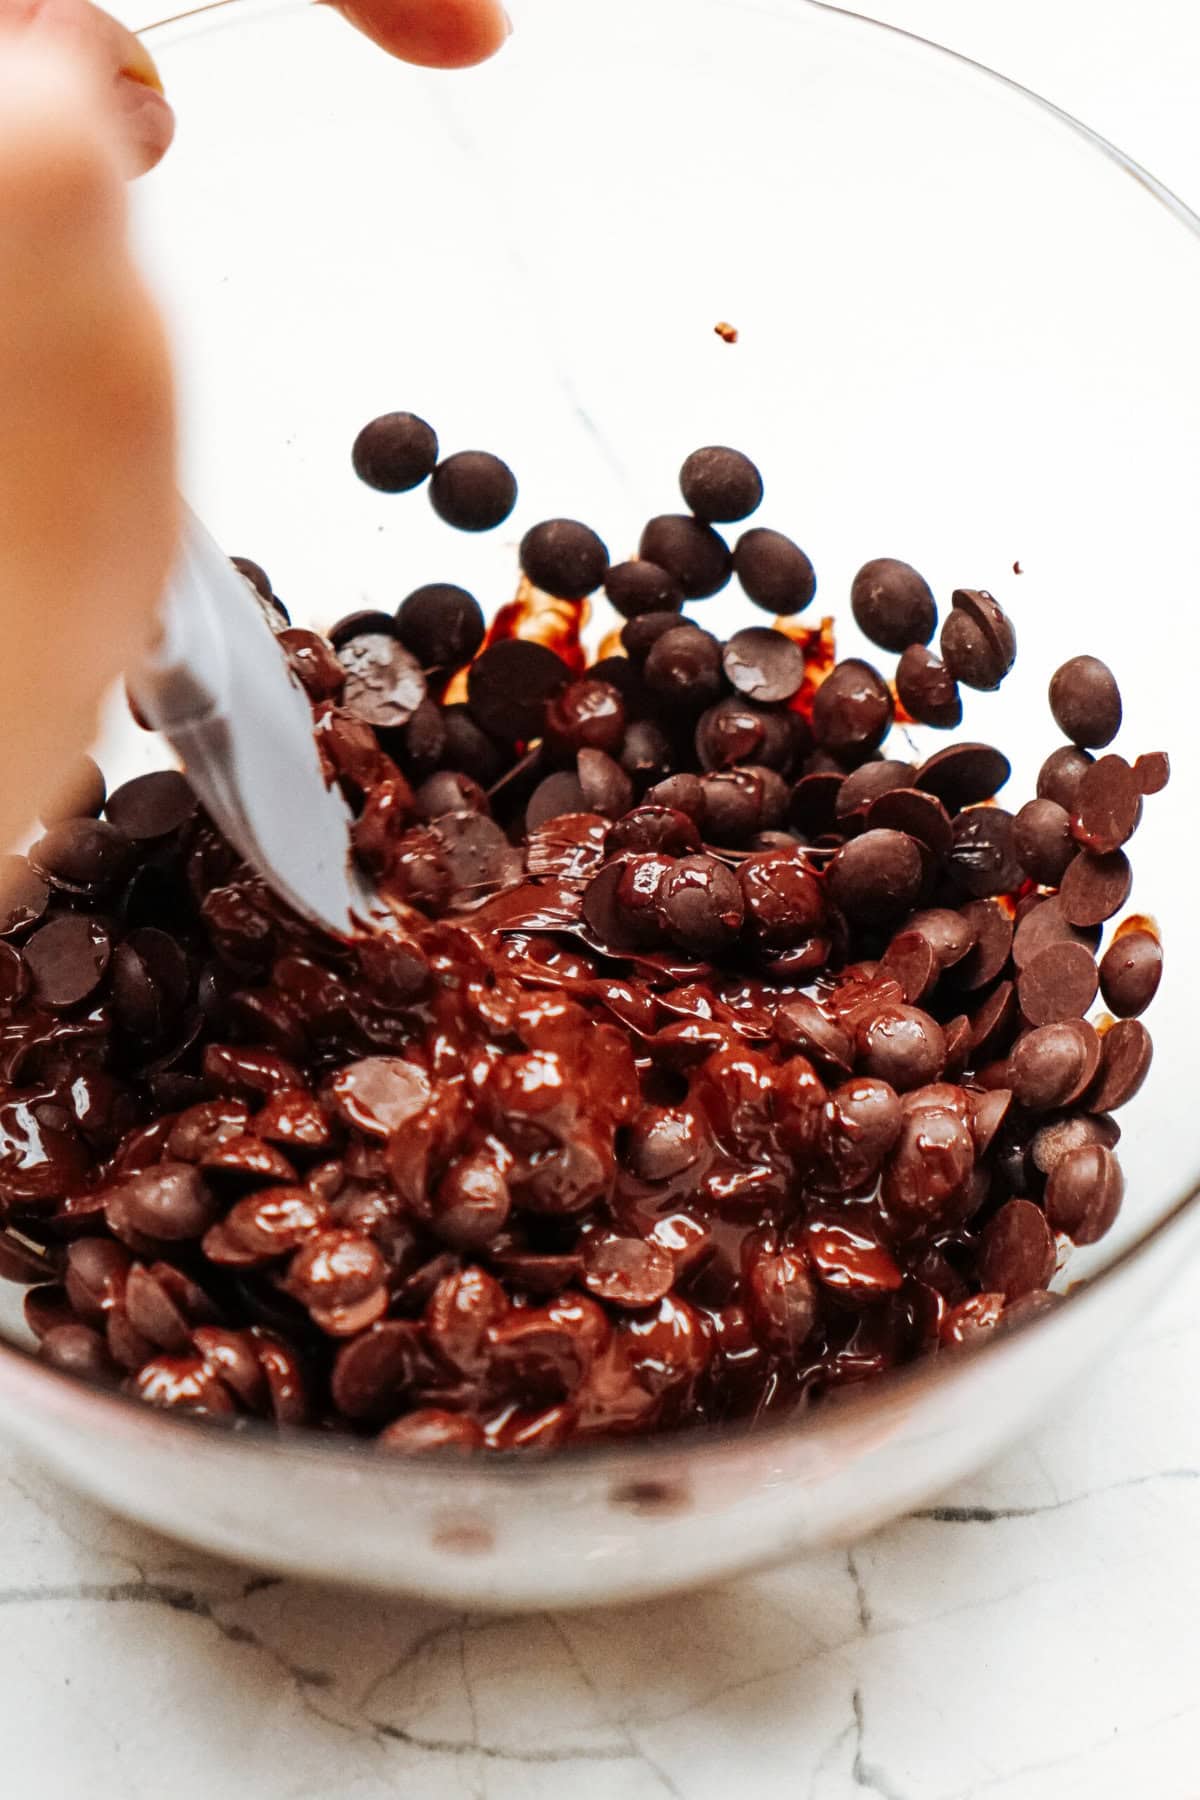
141	66
148	124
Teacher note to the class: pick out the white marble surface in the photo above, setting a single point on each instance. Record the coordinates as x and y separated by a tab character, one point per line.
1033	1638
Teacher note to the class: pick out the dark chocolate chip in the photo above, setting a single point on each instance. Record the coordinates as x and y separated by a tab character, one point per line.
395	452
1086	702
564	557
68	959
763	664
774	572
384	684
441	625
1060	982
926	689
978	642
720	485
634	588
692	553
964	774
1095	887
509	685
473	490
892	604
1130	972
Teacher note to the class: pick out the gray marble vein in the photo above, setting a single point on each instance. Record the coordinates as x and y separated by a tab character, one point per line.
1052	1659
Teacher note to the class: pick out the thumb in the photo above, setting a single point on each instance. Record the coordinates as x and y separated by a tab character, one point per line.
87	506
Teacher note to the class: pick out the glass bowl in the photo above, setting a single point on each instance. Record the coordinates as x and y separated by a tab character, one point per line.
966	335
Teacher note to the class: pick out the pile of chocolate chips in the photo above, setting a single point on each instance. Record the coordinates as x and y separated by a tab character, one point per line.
719	1057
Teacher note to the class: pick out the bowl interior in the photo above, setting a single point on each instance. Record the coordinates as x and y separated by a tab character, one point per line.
963	339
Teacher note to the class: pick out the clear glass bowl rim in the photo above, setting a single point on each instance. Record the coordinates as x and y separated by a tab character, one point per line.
843	1409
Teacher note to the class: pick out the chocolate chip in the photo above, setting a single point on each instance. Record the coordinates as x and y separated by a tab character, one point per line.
926	1175
473	490
903	1046
949	934
24	896
649	828
740	802
606	787
560	794
1153	771
171	1202
927	690
1086	702
684	667
441	625
720	485
994	1024
314	664
1095	887
381	1093
1125	1057
964	774
627	1272
852	710
564	557
255	574
876	877
1016	1250
774	572
395	452
373	1373
634	588
384	685
1052	1066
978	642
805	1029
867	783
1108	805
892	604
587	715
692	553
919	814
646	753
1047	924
784	905
152	806
1084	1193
469	748
1058	1137
982	860
1042	841
84	856
910	960
991	931
68	959
813	808
701	905
764	664
1061	774
1060	982
1130	972
509	685
365	623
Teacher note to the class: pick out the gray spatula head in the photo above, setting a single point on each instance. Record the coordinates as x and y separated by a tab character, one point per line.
219	689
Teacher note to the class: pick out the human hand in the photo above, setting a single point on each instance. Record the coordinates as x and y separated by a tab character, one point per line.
87	463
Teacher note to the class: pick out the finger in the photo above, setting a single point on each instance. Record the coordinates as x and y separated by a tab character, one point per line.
87	507
444	34
124	66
